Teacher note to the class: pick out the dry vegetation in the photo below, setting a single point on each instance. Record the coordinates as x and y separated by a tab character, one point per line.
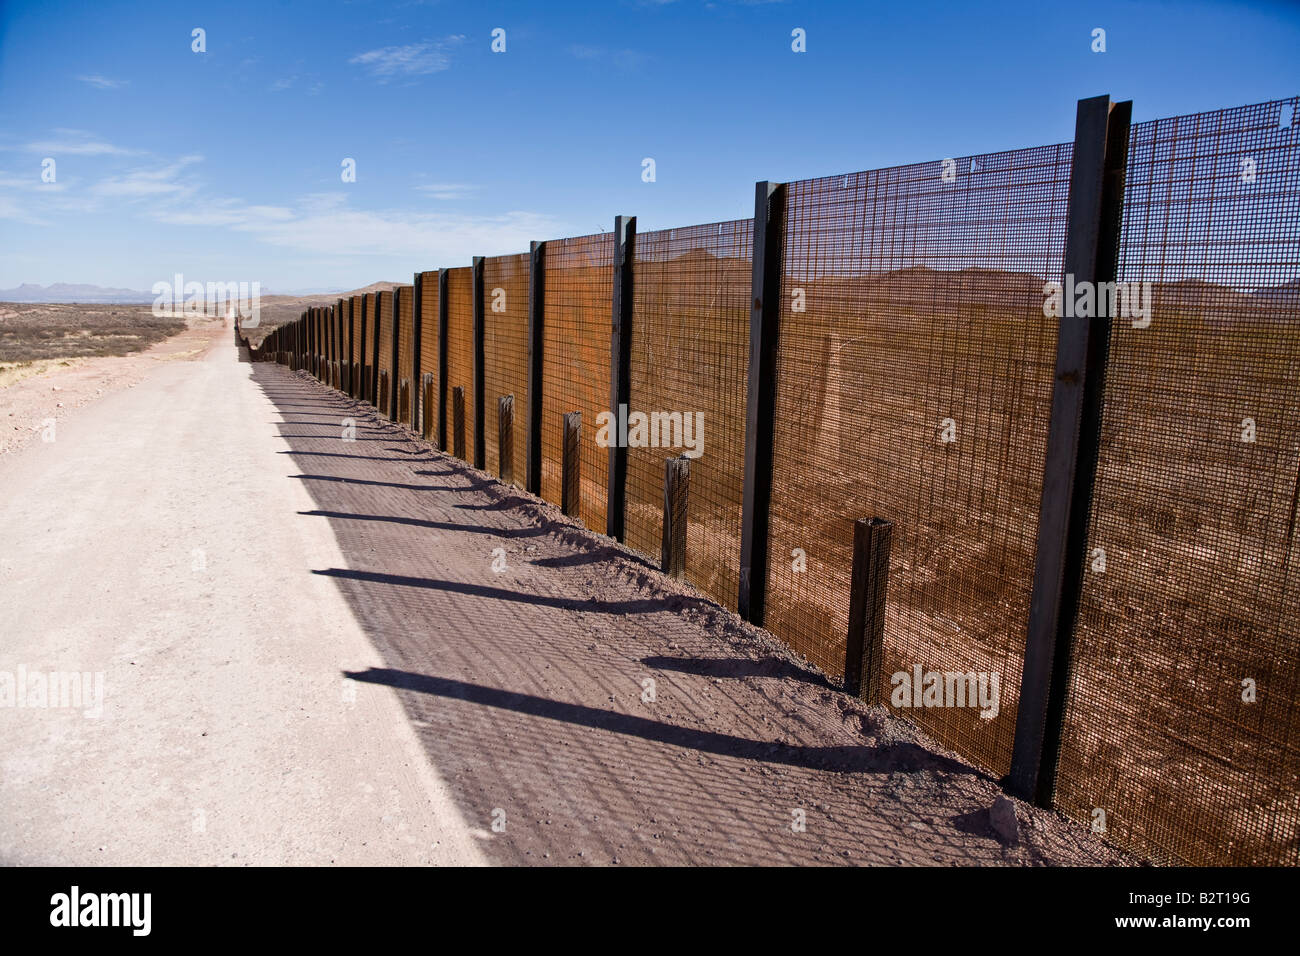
31	332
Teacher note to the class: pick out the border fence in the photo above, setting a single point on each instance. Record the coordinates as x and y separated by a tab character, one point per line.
1007	443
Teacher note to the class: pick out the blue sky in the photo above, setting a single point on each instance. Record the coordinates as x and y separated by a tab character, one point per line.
225	165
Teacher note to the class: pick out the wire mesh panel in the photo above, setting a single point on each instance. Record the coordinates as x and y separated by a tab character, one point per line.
404	303
343	347
575	375
428	352
690	360
356	333
460	352
505	360
368	356
1182	722
914	381
330	332
384	327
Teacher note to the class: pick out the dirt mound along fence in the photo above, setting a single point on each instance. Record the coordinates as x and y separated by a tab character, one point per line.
1009	443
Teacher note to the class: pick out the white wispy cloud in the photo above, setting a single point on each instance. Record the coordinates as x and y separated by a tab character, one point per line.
413	59
309	84
32	181
623	59
222	212
324	224
446	190
9	209
399	232
77	142
145	182
102	82
25	197
315	226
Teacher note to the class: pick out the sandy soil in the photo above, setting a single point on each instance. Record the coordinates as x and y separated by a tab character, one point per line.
152	543
28	400
13	372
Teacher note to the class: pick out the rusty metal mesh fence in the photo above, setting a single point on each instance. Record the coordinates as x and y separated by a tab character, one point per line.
338	315
384	327
368	353
914	380
913	383
352	353
690	360
346	336
505	359
460	352
575	376
355	344
343	343
404	298
1191	590
427	423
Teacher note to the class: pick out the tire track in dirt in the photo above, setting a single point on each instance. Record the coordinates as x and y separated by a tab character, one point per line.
525	685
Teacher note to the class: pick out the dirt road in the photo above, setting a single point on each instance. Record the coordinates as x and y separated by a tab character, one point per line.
319	650
152	543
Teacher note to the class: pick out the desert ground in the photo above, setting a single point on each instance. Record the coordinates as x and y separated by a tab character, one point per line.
416	706
36	394
39	332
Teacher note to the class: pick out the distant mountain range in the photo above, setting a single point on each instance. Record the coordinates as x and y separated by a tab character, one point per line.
76	292
1288	293
72	292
